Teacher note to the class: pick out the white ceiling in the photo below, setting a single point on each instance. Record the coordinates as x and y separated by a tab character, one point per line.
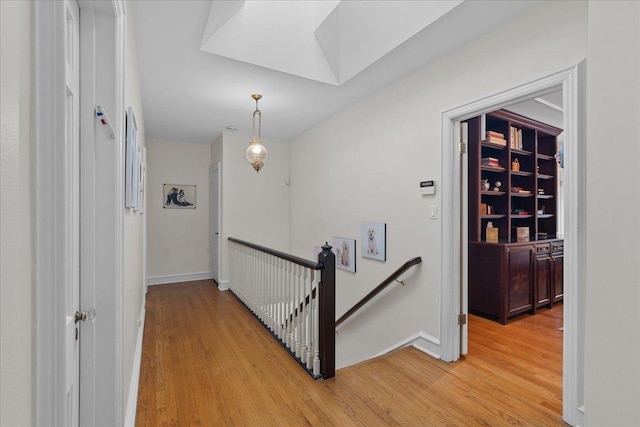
198	59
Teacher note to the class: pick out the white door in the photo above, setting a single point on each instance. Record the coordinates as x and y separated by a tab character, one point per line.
214	203
72	226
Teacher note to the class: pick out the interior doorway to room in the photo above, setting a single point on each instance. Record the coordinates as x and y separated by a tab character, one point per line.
455	228
515	241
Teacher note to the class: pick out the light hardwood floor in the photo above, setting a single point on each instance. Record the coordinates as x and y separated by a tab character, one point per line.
206	361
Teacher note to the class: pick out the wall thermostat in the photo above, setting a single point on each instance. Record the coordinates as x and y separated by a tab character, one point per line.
427	187
103	121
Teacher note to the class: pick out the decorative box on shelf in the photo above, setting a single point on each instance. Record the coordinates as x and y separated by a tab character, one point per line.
522	234
492	234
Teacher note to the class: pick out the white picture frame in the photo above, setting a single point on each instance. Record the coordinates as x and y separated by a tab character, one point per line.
131	161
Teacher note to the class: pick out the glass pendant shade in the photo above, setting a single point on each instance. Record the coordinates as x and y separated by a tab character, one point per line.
257	153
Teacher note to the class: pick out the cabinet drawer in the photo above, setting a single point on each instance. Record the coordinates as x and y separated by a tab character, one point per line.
542	248
557	246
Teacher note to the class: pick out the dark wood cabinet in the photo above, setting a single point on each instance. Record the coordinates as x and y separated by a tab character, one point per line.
520	279
508	279
557	270
543	270
513	185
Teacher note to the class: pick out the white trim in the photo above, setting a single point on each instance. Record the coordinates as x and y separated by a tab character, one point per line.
421	341
223	285
572	81
177	278
574	90
132	401
549	104
50	213
118	186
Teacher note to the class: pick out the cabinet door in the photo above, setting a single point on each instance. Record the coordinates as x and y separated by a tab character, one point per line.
543	280
520	279
558	272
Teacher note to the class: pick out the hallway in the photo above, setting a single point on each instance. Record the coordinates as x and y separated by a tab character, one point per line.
206	361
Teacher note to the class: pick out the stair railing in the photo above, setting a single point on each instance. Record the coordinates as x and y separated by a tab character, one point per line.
386	282
276	287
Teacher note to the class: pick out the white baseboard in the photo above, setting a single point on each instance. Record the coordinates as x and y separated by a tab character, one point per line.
132	401
421	341
177	278
223	285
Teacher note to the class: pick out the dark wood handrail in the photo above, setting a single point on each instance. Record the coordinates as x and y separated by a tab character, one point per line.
292	258
407	265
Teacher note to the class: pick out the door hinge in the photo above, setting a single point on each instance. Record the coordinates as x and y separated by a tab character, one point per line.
462	148
462	319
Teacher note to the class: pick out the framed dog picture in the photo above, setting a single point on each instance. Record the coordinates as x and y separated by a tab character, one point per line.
345	251
373	236
176	196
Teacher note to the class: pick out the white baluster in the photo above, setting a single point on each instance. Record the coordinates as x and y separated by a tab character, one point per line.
303	315
309	311
316	330
298	322
289	303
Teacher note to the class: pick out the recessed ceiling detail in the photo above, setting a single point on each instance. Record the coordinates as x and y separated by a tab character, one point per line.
329	41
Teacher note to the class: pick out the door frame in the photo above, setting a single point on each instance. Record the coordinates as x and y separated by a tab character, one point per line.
214	206
51	216
454	251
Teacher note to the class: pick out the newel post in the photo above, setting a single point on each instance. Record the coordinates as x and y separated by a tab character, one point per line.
327	315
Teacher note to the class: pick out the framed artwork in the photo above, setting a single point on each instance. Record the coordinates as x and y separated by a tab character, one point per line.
373	236
345	251
178	196
131	161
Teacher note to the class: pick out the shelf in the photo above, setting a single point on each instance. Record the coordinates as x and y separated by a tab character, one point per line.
521	152
519	191
492	169
494	146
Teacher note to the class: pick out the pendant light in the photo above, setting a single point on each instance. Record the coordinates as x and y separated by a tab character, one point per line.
257	153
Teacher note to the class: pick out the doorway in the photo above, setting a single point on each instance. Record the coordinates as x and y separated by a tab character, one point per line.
454	296
95	204
214	209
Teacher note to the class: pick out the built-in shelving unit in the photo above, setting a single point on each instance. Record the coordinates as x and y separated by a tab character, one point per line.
518	153
513	185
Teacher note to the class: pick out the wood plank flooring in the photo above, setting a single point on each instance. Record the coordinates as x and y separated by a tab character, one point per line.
206	361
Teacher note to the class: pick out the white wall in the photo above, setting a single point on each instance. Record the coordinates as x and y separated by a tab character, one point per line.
612	326
255	206
17	298
365	164
177	239
133	283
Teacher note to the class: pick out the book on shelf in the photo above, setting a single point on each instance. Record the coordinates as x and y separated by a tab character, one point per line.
515	138
492	134
490	160
497	141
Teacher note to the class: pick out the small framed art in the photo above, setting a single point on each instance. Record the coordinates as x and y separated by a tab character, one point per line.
373	236
345	251
177	196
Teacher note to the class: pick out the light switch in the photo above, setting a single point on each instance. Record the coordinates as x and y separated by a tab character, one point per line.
433	214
